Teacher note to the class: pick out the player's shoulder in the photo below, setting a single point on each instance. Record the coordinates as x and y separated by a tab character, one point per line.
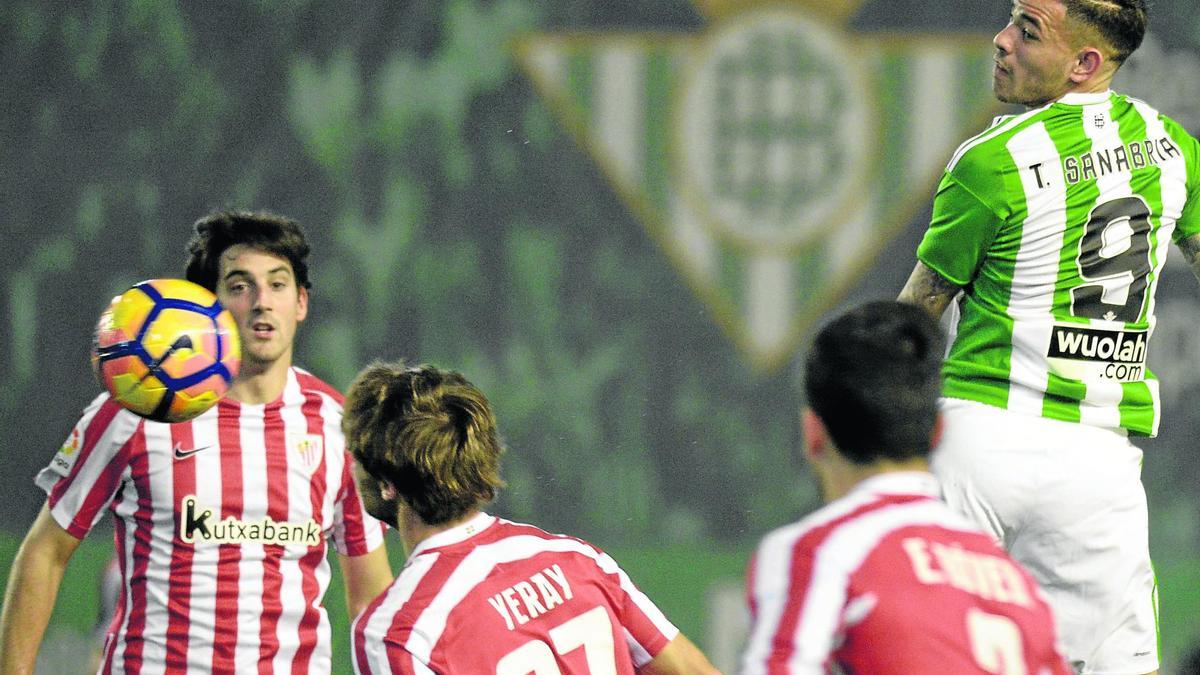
536	538
103	414
989	148
309	383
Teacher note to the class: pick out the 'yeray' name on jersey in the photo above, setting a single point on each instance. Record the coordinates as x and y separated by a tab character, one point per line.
539	594
194	527
987	576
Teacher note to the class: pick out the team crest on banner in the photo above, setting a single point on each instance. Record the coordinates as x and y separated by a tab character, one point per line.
307	450
775	155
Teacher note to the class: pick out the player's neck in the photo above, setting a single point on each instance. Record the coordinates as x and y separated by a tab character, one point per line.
257	384
1093	86
840	476
413	530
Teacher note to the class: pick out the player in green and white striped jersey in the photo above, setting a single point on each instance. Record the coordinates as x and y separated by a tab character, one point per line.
1051	228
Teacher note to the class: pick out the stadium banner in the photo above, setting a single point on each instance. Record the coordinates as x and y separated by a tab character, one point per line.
774	155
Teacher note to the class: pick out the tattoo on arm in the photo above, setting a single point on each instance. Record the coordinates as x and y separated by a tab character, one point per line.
1191	252
929	290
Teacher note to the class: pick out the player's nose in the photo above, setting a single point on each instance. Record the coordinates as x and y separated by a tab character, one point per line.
1003	40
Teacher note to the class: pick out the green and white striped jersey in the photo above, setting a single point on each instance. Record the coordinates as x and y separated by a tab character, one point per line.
1057	223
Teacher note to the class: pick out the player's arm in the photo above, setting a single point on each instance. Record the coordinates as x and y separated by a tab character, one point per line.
929	290
33	584
1190	246
366	576
679	657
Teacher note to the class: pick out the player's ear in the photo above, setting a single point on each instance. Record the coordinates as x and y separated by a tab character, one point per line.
387	490
935	436
1088	62
302	304
815	435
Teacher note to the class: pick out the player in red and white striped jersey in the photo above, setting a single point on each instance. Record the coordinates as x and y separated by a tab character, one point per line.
886	579
221	521
480	594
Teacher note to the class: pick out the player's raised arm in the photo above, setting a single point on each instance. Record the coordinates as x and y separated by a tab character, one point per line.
929	290
33	584
365	576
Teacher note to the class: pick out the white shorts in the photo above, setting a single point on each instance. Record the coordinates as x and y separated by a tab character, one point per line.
1066	500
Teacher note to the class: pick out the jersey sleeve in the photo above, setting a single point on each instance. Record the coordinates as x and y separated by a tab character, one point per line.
647	629
1189	220
961	230
355	532
85	474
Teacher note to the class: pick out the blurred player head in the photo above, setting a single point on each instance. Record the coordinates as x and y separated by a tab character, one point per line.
426	443
256	264
1053	47
872	379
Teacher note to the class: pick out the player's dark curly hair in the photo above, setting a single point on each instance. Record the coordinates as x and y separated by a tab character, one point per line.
430	433
873	377
1121	22
216	232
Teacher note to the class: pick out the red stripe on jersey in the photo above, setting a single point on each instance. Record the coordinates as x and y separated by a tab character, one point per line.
431	584
277	459
309	382
111	643
801	575
312	617
311	620
355	533
225	616
139	465
179	588
358	635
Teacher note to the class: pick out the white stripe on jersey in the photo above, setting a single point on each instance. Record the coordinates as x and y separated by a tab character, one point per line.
379	621
209	485
1174	196
474	568
835	559
1036	269
158	567
250	565
1100	405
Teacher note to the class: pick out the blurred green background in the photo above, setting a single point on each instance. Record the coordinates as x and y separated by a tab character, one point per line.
458	218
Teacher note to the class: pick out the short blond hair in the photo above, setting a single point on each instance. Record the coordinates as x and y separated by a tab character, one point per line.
430	433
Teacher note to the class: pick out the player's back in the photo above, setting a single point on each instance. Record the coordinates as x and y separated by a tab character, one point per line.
889	580
501	597
1072	208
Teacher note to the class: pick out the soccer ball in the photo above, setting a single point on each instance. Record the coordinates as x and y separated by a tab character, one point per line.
166	349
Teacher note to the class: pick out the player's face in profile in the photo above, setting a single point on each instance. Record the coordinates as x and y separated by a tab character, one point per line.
261	292
1033	54
373	501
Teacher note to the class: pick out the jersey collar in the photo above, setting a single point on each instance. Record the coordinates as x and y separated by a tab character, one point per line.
900	482
456	534
1085	97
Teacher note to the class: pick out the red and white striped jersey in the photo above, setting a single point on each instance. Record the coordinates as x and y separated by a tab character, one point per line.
887	580
221	527
493	596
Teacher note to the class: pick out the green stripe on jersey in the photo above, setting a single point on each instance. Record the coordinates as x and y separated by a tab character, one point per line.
1057	220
